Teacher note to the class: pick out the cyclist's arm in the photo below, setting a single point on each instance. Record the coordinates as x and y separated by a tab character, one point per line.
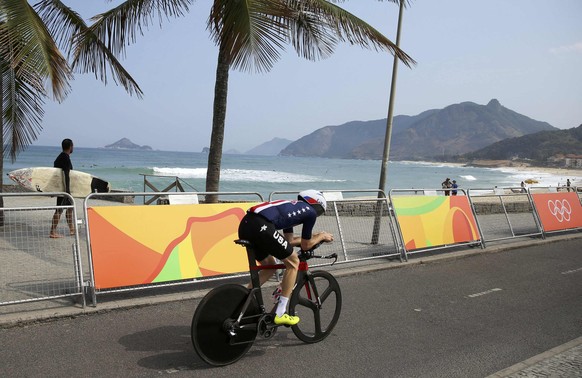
307	244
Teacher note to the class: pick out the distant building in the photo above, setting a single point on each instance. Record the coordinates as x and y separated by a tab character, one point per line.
568	160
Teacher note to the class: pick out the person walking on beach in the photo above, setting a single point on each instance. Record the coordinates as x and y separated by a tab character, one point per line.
63	161
261	226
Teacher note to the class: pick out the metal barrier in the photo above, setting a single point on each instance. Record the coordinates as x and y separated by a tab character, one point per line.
504	213
557	209
93	201
34	267
177	184
426	222
354	220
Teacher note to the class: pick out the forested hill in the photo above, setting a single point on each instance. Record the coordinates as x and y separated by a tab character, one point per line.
539	146
455	130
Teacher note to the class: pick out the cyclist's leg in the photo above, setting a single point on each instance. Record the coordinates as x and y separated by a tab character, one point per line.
266	274
290	274
282	316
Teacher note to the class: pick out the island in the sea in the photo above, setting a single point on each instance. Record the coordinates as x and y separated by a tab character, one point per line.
126	144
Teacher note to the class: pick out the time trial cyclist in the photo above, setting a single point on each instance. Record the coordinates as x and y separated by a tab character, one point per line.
262	225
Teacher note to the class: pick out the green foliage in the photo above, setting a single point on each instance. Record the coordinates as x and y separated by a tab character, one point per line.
539	146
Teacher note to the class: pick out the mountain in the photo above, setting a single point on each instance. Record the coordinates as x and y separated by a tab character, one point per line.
539	146
270	148
433	134
126	144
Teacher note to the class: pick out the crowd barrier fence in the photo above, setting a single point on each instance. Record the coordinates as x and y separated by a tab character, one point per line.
130	247
134	247
557	211
434	219
34	267
504	213
358	218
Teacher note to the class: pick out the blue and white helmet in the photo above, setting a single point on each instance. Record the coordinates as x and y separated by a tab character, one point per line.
315	199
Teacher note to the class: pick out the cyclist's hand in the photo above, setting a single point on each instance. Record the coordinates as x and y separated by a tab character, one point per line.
326	237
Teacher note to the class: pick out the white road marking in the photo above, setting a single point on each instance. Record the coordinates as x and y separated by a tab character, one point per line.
572	271
484	293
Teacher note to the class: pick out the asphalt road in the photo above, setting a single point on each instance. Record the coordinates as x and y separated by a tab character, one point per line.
468	317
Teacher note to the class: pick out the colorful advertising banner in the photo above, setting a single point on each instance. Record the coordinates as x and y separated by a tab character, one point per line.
136	245
430	221
558	211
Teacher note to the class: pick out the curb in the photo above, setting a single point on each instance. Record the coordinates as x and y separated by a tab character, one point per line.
538	360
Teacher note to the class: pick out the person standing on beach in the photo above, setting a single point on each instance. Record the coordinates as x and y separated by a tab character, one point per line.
63	161
454	186
568	184
447	185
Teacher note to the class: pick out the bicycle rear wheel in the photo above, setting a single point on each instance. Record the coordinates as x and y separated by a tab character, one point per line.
210	338
317	321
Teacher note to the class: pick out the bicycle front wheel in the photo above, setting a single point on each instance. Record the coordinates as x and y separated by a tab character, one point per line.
210	337
317	300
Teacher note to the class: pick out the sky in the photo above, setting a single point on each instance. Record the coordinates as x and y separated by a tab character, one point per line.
525	53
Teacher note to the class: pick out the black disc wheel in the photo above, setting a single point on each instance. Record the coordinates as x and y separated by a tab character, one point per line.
318	316
213	338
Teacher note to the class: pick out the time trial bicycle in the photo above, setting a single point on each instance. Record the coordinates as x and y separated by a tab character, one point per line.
229	318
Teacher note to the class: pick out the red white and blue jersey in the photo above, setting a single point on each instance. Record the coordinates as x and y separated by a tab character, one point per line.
287	214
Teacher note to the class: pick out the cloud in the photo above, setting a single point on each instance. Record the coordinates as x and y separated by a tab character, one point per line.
576	47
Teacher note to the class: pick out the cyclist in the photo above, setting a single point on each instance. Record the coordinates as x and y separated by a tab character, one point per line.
261	226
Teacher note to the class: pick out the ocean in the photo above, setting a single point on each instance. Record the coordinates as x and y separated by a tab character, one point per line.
124	169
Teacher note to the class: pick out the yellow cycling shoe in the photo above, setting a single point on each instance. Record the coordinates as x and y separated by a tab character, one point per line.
286	319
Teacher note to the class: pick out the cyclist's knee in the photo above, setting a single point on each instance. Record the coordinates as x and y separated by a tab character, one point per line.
269	260
292	262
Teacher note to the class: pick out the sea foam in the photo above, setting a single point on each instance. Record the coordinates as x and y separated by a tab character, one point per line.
248	175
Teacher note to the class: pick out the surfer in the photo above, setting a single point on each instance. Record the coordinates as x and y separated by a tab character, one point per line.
63	161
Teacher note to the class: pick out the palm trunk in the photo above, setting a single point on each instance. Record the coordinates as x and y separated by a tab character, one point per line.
1	146
218	122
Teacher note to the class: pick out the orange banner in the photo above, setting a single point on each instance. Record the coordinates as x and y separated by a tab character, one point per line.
429	221
558	211
136	245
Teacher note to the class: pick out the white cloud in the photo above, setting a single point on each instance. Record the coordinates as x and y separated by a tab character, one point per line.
576	47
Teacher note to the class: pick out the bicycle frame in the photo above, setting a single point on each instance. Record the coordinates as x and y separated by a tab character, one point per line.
256	290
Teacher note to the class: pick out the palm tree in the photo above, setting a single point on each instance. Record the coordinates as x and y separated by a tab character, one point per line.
33	66
250	36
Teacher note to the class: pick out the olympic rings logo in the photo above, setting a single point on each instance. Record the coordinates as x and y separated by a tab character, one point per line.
560	209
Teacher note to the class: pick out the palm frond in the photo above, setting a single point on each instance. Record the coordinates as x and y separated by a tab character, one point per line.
250	33
253	33
89	53
22	95
120	26
347	27
62	22
32	47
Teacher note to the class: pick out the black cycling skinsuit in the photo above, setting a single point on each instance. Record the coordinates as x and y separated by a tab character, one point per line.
261	224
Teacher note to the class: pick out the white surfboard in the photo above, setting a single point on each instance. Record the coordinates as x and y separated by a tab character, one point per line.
46	179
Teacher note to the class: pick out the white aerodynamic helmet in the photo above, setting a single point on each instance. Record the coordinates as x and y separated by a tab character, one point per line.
315	199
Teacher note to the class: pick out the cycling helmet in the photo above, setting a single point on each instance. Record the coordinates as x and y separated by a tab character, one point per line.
315	199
